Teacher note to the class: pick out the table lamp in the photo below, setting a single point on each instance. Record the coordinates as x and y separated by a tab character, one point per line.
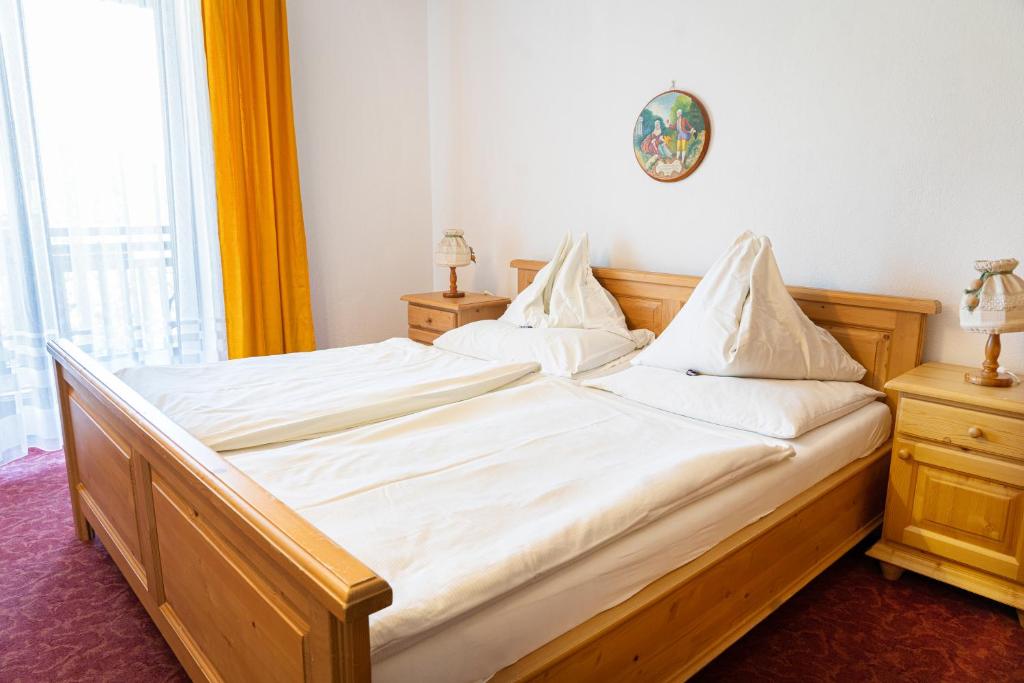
453	252
994	304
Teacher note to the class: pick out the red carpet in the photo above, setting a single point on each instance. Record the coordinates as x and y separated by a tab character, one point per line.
67	615
850	624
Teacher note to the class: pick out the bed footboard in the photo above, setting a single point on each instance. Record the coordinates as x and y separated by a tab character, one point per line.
241	587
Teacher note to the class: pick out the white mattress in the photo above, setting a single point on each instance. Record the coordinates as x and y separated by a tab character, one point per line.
498	633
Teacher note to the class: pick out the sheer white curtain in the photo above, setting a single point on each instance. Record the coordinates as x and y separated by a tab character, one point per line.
107	206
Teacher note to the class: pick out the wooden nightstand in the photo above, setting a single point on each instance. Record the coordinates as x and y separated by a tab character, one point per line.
431	314
955	505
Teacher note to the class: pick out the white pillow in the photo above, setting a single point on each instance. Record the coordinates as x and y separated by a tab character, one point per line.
565	293
740	321
530	307
783	408
579	300
560	351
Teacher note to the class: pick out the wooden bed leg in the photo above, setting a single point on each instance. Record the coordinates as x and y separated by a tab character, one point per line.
1020	617
890	571
83	530
355	650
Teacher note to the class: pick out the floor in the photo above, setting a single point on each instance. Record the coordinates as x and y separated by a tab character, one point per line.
67	615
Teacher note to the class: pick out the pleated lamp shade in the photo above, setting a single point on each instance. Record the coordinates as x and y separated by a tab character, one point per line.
453	251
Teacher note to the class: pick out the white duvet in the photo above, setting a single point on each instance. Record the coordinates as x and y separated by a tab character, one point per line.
273	399
461	504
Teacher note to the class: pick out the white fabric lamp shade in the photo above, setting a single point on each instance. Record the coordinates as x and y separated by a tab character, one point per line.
453	251
994	303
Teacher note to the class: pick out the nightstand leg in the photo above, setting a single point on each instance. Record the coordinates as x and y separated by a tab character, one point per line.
890	571
1020	617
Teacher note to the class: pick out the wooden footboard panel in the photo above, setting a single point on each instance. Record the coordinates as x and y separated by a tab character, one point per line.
672	628
240	586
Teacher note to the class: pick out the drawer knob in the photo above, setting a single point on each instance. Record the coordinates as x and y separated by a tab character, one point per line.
903	454
974	432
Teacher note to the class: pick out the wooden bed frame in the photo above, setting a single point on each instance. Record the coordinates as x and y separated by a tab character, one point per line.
244	589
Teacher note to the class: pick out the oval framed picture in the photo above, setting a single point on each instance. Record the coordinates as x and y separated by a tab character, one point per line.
671	136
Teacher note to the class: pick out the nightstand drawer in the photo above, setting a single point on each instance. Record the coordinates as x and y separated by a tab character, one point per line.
431	319
964	507
422	336
961	427
488	312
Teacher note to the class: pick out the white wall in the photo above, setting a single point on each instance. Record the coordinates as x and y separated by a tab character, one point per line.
880	144
359	83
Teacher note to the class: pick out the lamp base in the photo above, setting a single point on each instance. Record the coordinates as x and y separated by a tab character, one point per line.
1001	379
453	286
989	375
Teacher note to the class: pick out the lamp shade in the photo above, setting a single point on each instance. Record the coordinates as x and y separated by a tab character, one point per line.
452	251
994	303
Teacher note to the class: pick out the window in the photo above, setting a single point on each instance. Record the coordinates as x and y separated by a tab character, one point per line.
107	210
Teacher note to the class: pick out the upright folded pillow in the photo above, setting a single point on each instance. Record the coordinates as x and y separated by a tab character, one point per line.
530	307
579	300
741	321
565	294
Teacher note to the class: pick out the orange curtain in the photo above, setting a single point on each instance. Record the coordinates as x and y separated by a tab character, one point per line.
262	239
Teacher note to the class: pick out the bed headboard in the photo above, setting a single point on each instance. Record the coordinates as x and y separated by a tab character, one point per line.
885	334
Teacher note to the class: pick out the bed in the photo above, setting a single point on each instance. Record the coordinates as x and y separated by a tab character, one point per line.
243	587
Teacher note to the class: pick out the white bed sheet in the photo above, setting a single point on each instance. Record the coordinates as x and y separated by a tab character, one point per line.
498	633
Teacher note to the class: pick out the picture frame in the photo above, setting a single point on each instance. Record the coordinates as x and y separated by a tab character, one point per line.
671	135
